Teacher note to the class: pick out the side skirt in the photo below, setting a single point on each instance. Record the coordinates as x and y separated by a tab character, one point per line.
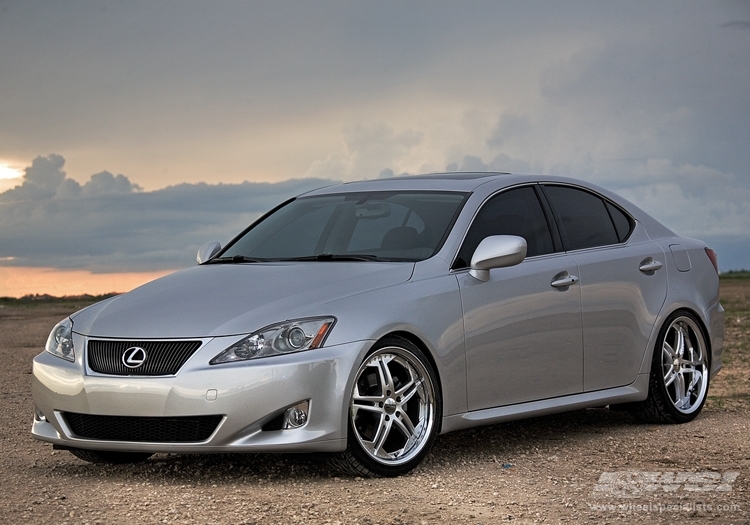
636	391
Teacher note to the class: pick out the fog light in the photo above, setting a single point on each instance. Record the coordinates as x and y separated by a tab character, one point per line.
296	416
38	416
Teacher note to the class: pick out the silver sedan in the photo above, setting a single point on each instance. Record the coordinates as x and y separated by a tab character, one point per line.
364	319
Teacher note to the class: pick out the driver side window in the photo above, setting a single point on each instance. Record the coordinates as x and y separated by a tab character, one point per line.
514	212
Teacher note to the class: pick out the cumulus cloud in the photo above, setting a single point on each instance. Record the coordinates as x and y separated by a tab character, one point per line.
387	173
509	126
45	179
366	151
41	180
110	224
501	163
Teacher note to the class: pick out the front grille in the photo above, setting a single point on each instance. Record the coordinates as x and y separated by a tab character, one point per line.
189	429
161	357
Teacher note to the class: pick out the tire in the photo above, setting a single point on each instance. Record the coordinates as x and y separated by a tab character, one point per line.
394	412
111	457
678	384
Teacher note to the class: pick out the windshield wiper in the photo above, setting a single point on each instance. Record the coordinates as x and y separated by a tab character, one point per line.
336	257
234	259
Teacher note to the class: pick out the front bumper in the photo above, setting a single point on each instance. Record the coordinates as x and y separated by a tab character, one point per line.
246	395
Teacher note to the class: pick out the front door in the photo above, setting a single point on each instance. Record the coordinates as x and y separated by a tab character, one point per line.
523	335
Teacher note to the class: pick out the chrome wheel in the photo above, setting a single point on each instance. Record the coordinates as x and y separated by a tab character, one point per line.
678	385
684	365
394	411
392	407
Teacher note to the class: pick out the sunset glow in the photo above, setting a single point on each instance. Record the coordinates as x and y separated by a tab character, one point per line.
6	172
122	155
9	177
17	282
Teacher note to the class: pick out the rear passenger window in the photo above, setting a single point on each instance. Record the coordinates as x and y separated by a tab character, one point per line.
583	218
514	212
623	224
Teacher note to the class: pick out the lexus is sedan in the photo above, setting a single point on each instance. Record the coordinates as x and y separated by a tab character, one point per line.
364	319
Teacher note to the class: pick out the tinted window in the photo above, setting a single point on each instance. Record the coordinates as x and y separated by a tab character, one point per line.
406	226
305	228
368	234
582	218
622	222
514	212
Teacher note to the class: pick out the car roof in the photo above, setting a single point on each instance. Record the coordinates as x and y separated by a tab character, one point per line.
458	181
452	181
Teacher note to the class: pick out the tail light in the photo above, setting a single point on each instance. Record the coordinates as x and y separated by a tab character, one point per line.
714	258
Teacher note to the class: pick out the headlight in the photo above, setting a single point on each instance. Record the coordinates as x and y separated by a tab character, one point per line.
278	339
60	341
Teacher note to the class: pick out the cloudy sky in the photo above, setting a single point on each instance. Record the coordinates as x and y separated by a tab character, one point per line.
132	132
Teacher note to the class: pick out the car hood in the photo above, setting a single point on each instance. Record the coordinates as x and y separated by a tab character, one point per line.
229	299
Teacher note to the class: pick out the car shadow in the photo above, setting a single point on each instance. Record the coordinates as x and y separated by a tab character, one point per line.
499	443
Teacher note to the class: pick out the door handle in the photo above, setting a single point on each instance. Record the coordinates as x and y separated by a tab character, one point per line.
564	281
650	265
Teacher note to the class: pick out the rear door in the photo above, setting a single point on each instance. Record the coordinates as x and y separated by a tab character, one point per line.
622	280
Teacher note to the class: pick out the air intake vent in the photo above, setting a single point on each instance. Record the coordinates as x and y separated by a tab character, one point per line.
156	358
191	429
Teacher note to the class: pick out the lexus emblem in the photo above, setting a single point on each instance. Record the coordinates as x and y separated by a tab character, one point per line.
134	357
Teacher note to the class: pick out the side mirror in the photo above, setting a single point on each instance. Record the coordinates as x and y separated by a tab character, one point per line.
496	251
207	251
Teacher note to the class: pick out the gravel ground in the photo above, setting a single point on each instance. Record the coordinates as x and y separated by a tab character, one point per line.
596	465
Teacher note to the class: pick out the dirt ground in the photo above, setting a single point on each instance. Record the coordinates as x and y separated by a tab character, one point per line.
590	466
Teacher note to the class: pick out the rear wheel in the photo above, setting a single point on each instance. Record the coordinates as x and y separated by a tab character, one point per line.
678	385
394	410
108	456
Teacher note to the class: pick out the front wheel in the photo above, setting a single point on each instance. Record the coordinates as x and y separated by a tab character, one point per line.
678	385
394	409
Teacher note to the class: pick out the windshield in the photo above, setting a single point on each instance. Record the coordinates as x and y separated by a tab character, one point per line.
403	226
